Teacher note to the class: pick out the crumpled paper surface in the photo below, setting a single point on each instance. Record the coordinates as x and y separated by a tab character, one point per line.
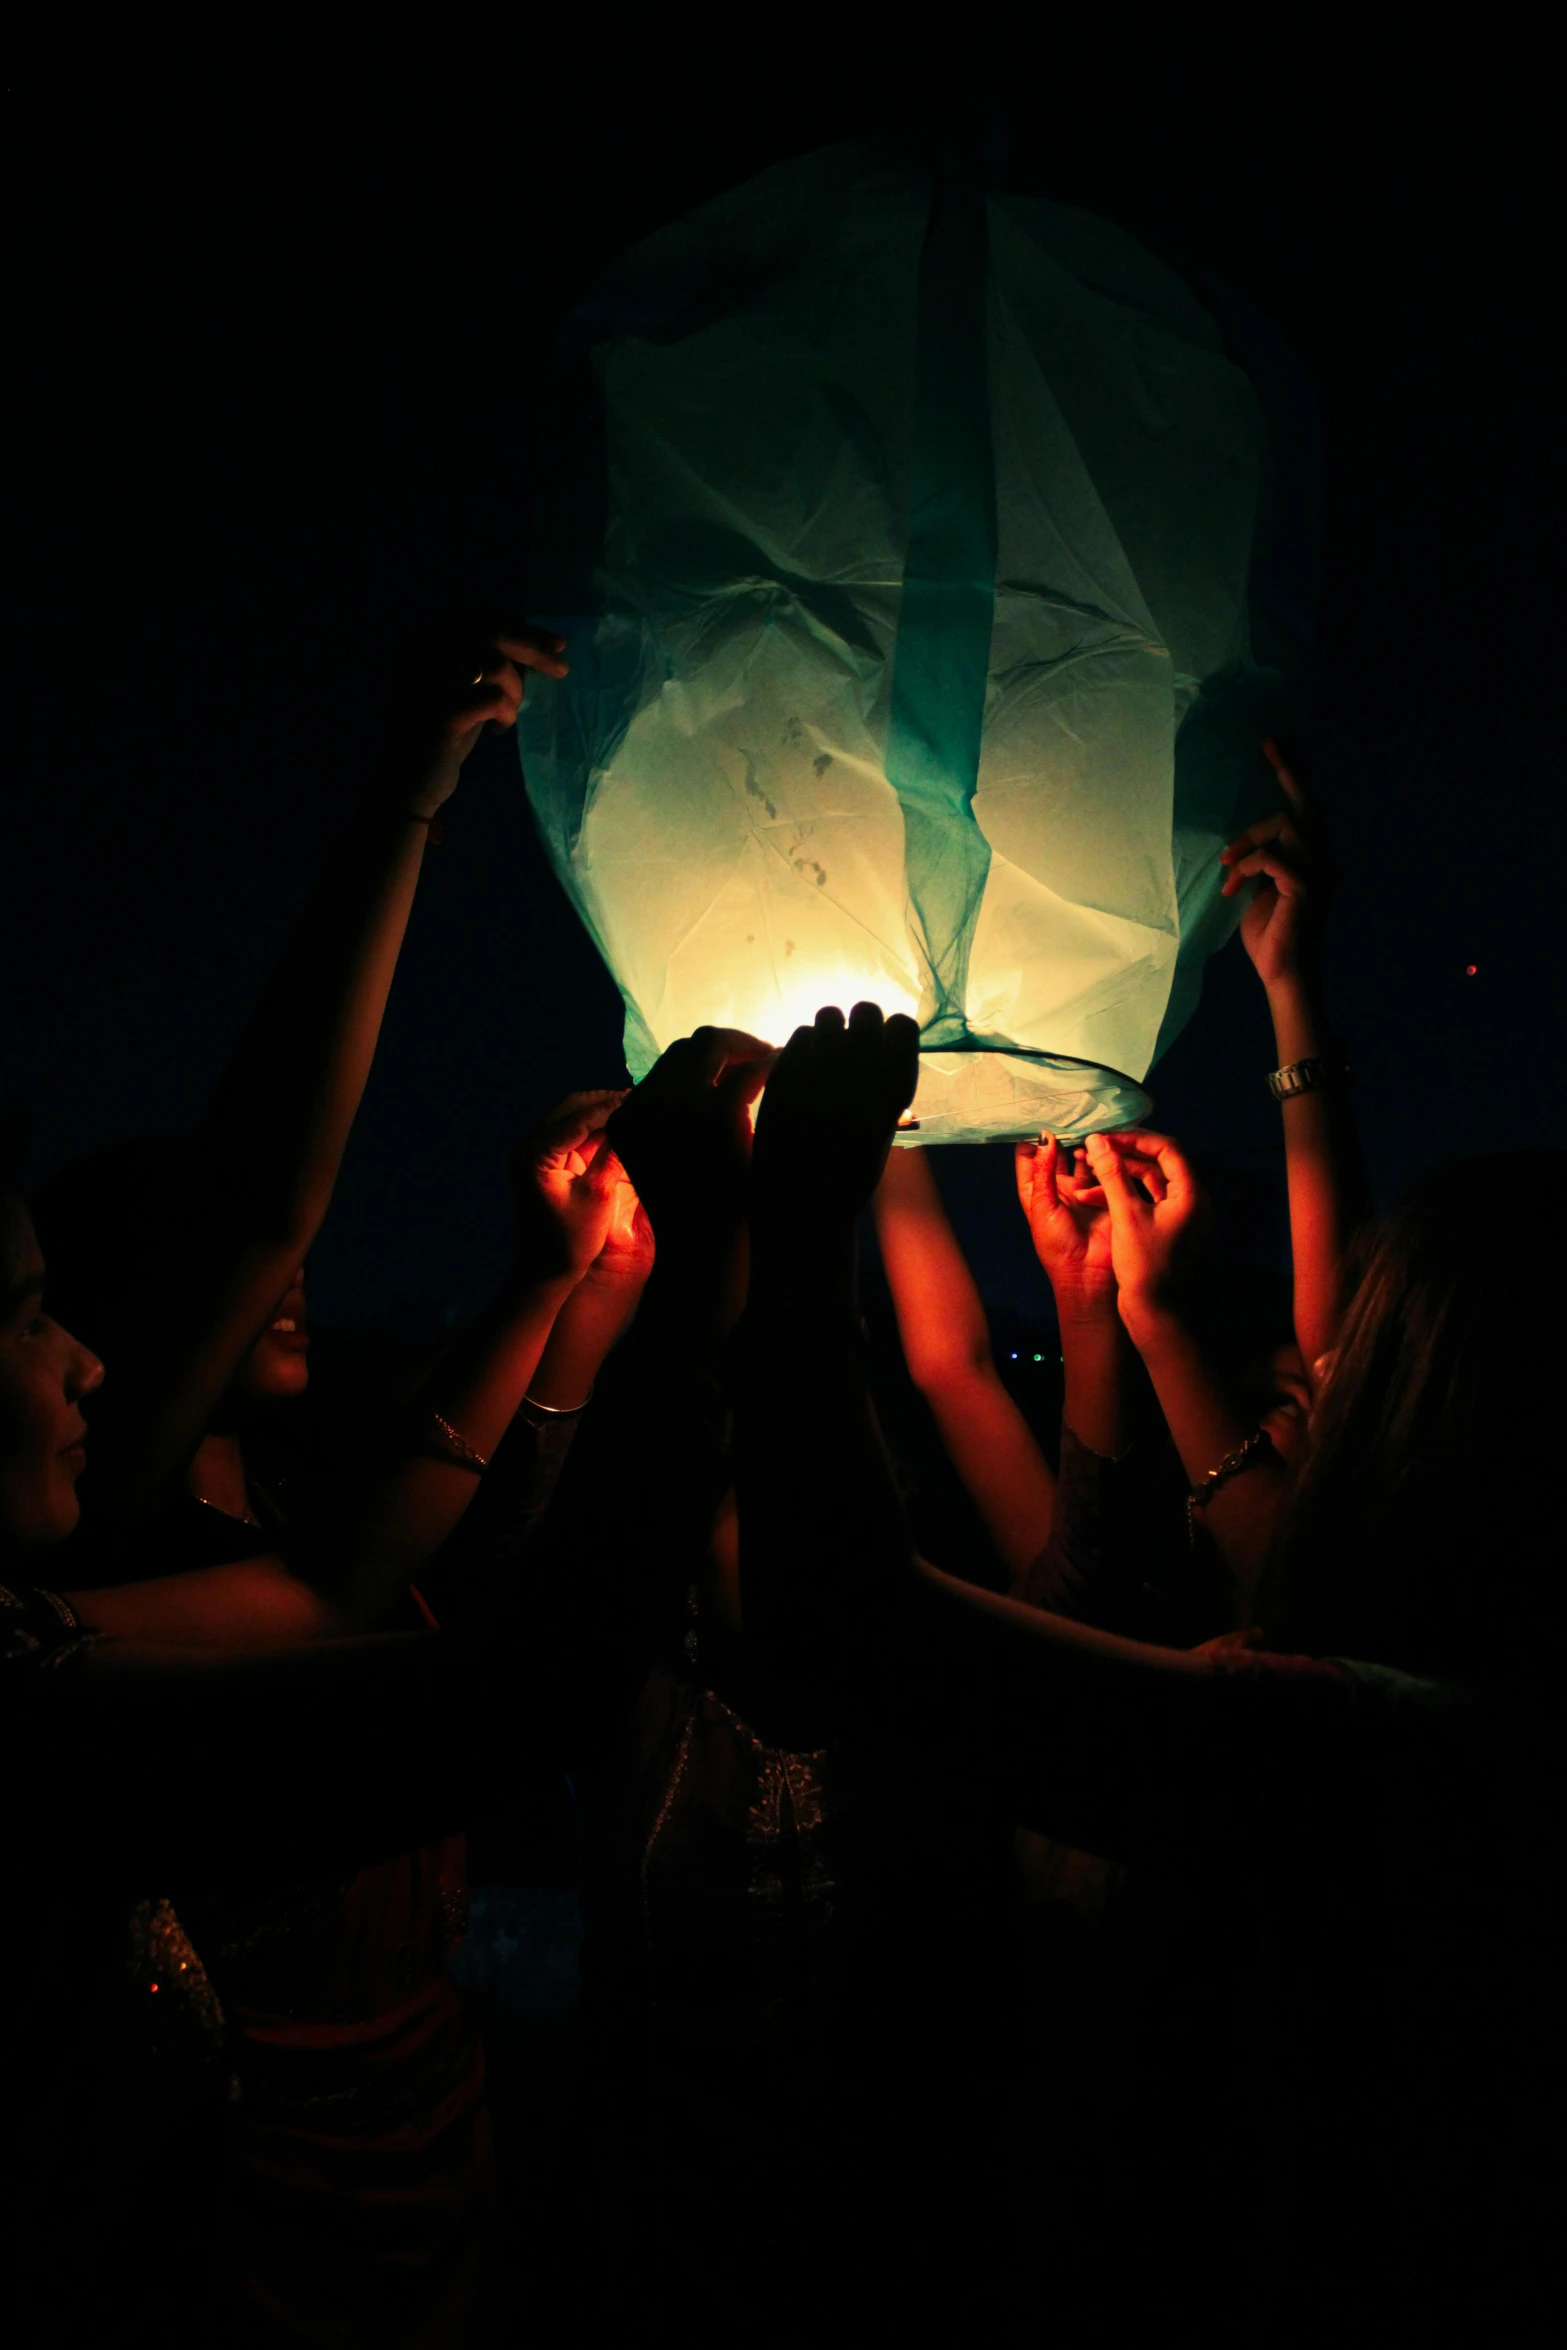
905	537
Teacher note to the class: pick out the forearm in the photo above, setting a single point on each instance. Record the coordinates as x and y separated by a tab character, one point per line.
1321	1167
822	1529
410	1497
1095	1363
1001	1468
280	1119
631	1517
1207	1430
254	1607
941	1320
593	1318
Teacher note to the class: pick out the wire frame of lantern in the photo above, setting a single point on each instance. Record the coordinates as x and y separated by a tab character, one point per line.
908	540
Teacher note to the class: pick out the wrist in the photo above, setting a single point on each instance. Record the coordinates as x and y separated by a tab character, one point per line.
1299	1032
1150	1317
531	1285
1086	1304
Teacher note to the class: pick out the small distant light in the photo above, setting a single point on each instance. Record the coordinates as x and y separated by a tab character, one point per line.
152	1986
1470	969
1014	1354
1039	1358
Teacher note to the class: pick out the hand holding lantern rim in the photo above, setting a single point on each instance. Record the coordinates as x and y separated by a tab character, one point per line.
1068	1221
455	683
684	1134
571	1195
1285	856
828	1116
1158	1212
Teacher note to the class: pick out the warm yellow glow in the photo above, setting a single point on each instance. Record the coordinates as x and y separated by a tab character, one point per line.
773	1005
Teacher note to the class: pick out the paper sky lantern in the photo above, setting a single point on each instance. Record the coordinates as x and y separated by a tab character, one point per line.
914	544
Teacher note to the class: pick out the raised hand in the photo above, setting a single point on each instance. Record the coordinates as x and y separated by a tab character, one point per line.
1068	1219
1158	1213
569	1189
1284	856
827	1118
453	685
684	1134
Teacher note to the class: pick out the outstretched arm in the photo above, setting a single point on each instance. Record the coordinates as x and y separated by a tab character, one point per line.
629	1524
1284	858
571	1193
946	1345
272	1141
1157	1211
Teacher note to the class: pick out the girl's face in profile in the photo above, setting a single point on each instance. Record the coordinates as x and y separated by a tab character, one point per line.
44	1375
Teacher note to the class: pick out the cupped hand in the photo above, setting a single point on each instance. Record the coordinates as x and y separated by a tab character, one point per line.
684	1133
1158	1214
1285	857
568	1189
453	685
827	1118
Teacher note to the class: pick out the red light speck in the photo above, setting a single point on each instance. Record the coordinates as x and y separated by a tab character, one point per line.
152	1986
1470	969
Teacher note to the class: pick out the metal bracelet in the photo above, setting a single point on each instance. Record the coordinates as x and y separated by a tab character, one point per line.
1308	1076
557	1411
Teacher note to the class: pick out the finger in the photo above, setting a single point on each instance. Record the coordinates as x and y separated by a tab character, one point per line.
1172	1163
495	670
1047	1185
743	1080
1114	1180
603	1170
471	706
533	648
1289	782
829	1020
694	1061
578	1115
1276	867
900	1044
1278	827
1025	1159
865	1021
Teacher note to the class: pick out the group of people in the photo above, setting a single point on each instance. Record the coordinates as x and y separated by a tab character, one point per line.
1144	1914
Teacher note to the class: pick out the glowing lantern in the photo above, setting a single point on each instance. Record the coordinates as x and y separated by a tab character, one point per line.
907	539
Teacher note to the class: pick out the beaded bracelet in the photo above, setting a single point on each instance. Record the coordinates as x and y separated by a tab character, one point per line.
454	1447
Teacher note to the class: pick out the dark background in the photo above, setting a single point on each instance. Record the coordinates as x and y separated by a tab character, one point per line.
280	327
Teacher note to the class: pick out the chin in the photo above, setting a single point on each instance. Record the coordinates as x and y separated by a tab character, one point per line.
275	1375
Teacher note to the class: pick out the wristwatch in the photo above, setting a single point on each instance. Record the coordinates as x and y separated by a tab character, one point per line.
1303	1077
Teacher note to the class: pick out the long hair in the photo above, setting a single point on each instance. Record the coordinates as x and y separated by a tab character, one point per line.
1426	1526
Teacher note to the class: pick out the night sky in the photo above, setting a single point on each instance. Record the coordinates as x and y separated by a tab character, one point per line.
280	332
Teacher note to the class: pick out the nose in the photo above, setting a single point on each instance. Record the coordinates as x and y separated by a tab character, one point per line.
85	1373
